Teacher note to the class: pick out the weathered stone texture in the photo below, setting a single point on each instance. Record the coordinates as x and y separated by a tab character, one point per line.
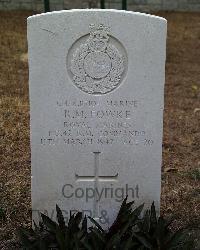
96	97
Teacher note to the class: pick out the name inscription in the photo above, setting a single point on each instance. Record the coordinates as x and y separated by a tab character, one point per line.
85	123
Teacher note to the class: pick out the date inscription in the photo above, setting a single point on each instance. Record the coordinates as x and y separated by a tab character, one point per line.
85	123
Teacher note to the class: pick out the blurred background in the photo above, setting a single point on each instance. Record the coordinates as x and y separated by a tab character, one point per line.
136	5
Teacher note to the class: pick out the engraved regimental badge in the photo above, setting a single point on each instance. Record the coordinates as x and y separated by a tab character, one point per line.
98	62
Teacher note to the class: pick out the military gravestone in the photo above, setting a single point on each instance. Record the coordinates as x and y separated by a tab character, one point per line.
96	98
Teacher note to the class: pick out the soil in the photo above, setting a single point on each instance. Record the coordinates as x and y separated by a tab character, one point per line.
181	143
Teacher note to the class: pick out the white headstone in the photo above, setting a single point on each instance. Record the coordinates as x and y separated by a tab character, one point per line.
96	97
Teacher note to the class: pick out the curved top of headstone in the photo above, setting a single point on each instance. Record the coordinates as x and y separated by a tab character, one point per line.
96	82
98	11
99	43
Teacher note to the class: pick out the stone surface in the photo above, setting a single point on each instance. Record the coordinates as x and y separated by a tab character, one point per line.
96	98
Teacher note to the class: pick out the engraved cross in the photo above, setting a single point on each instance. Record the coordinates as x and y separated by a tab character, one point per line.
96	178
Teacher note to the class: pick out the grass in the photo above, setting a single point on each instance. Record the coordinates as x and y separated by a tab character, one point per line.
194	174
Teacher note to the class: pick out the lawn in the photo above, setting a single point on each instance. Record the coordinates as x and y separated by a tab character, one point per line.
181	142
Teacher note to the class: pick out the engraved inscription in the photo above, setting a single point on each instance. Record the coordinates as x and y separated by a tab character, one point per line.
96	179
98	64
84	123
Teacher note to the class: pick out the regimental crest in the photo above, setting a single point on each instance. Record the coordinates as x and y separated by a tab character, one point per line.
97	65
